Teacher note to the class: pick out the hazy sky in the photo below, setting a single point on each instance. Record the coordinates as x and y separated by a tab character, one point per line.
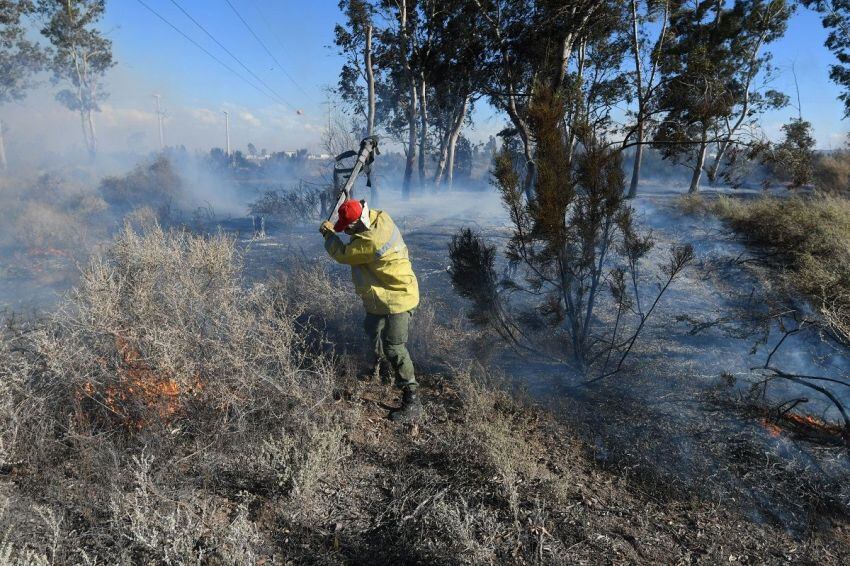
154	58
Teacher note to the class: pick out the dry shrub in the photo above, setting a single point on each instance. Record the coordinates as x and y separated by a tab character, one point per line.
50	213
811	236
165	526
325	304
296	206
832	173
161	375
163	325
476	503
154	184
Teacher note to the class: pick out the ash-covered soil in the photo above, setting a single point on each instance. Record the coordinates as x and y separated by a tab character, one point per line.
680	415
487	480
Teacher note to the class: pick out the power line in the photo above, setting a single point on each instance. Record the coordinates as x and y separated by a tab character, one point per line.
201	47
235	58
265	47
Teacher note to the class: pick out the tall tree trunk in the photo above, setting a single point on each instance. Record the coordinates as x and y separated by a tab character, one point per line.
455	134
450	166
698	166
411	110
3	164
641	101
370	84
636	165
92	136
370	117
85	129
444	155
423	130
411	139
714	168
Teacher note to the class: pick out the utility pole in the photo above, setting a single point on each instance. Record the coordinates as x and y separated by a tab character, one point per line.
227	131
159	119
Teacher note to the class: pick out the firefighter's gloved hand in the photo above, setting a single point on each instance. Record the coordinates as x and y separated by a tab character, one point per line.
326	228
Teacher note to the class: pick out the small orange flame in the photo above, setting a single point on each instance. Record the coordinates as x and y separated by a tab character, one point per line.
139	391
806	425
772	428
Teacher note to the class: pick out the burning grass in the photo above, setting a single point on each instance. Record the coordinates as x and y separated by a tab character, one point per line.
170	414
162	372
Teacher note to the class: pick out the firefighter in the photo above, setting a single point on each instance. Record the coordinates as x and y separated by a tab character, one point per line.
383	277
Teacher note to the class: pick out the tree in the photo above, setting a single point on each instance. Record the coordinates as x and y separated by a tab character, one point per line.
81	57
403	95
793	158
574	239
713	56
20	59
456	70
531	42
646	61
355	41
252	150
761	22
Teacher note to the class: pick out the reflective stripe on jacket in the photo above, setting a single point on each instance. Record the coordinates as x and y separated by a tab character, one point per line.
380	266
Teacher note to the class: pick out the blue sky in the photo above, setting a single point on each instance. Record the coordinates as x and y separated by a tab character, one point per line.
153	58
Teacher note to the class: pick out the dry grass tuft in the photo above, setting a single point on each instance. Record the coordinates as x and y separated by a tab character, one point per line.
147	413
810	236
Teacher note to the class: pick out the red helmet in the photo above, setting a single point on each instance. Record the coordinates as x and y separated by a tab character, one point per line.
349	212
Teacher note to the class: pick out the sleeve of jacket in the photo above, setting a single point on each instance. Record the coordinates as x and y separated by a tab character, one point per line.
357	252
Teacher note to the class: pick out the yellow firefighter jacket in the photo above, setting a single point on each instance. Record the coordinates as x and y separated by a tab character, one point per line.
380	266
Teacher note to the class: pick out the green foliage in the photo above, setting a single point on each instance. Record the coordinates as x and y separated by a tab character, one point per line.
711	59
81	56
567	241
20	58
793	158
473	274
836	19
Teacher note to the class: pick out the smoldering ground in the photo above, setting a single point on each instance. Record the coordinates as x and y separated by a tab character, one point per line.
679	414
674	417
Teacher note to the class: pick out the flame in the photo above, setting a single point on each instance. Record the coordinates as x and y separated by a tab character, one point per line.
802	424
772	429
139	391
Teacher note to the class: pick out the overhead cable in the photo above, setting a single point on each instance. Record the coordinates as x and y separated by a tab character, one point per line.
265	47
202	48
235	58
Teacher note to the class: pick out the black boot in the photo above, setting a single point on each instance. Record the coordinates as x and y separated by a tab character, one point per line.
410	410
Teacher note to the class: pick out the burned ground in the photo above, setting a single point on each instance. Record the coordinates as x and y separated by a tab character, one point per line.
515	463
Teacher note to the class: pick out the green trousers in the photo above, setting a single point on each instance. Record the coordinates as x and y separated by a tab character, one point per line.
388	334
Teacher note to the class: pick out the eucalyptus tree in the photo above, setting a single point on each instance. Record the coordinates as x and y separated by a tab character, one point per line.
20	58
711	59
531	42
456	71
357	77
648	19
81	57
758	23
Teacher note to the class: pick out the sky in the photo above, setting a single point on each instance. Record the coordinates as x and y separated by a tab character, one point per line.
153	58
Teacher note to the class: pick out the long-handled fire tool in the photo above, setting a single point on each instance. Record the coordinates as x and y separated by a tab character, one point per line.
365	158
